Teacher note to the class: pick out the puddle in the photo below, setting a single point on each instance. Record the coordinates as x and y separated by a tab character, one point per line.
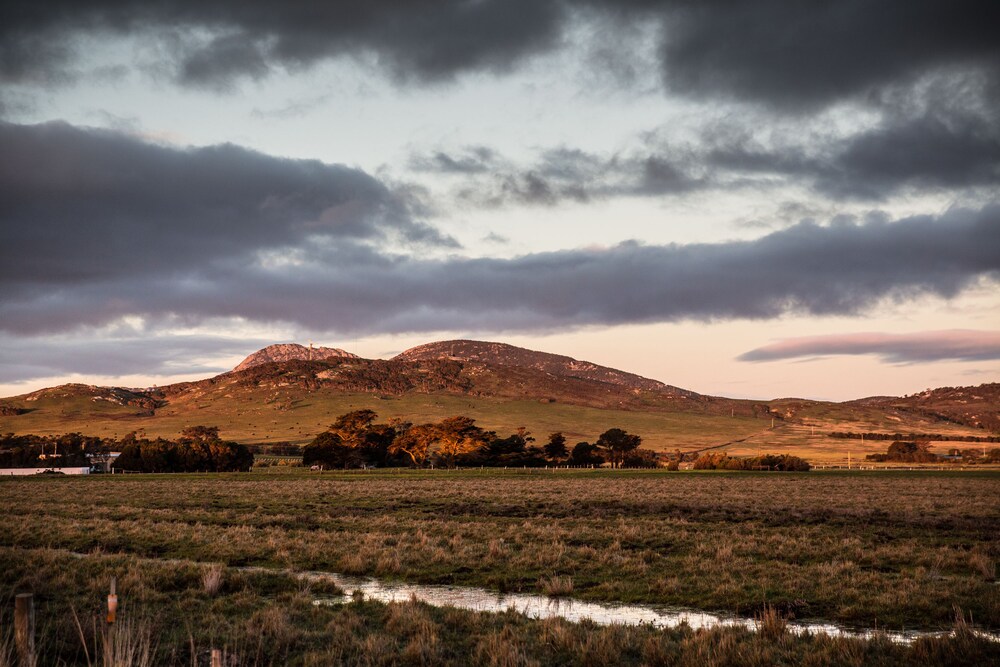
540	607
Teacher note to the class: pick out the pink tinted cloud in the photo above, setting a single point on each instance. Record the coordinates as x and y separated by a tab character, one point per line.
918	347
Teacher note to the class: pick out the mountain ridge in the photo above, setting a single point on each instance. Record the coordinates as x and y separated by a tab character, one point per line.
510	355
292	352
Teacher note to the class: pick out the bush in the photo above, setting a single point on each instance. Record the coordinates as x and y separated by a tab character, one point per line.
778	462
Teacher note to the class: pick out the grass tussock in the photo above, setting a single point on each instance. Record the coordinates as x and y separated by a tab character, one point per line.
129	643
211	580
985	564
770	622
556	586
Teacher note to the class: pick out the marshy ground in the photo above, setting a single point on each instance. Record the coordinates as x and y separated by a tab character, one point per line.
889	549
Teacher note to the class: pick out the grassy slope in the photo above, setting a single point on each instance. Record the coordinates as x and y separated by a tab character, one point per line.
268	415
263	415
806	430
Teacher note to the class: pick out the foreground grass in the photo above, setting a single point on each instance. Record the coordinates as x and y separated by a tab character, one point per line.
174	614
893	549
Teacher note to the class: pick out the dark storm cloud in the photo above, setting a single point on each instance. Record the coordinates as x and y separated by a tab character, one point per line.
422	39
91	235
930	151
93	205
781	52
806	54
924	346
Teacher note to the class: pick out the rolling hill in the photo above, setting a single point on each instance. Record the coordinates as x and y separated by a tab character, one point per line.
290	393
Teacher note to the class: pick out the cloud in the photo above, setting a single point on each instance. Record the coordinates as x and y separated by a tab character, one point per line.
944	139
218	44
781	53
800	56
470	160
920	347
95	353
487	179
96	226
86	206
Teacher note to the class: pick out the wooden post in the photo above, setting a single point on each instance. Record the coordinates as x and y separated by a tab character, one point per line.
24	629
112	603
216	658
112	617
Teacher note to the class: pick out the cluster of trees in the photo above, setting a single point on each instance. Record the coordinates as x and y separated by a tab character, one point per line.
355	439
780	462
853	435
33	451
907	452
198	449
919	451
977	455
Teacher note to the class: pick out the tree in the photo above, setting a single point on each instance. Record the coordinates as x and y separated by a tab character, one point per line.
353	427
199	434
457	436
415	442
585	454
329	451
371	442
555	448
617	443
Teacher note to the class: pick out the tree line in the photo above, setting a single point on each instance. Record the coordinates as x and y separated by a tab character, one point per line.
197	449
356	440
853	435
919	451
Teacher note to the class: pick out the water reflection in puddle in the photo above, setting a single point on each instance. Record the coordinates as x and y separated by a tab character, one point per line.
539	607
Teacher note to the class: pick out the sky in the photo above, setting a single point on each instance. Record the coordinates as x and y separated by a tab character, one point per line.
749	199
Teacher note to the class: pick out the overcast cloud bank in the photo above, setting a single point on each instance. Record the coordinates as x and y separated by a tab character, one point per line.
96	226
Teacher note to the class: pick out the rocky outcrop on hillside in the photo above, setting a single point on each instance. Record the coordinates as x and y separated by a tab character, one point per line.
971	406
501	354
292	352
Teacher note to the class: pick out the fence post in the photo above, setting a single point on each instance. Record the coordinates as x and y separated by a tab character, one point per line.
24	629
111	647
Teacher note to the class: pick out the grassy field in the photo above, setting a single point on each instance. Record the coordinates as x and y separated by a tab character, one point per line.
896	550
893	548
176	613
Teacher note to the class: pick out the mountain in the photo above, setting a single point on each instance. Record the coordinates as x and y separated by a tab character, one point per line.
501	354
289	393
292	352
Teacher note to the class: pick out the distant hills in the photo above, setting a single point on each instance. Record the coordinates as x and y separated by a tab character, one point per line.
289	393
